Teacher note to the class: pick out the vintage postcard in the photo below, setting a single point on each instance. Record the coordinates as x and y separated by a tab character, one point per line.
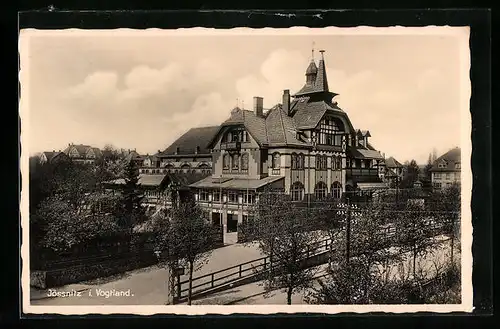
213	171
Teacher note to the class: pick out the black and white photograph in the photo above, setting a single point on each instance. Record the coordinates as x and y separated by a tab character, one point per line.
224	171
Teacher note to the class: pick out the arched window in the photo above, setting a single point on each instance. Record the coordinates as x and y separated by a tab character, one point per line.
320	162
244	161
336	190
236	162
320	191
297	191
295	161
276	161
225	161
300	161
336	163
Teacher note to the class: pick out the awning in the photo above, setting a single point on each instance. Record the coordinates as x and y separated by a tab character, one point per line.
360	153
372	186
144	180
236	183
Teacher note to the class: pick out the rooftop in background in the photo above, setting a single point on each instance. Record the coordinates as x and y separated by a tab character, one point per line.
392	163
154	181
448	161
188	143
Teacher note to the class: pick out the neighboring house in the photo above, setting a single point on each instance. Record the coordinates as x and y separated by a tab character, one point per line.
446	169
53	157
160	190
306	147
133	156
80	153
150	165
394	171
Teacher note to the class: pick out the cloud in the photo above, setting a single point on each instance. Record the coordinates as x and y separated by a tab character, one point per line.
282	69
95	85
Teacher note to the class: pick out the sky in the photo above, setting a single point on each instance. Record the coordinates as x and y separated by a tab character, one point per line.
144	90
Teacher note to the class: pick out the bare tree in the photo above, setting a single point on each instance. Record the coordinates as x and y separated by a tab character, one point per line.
332	218
415	231
284	236
189	238
354	278
445	208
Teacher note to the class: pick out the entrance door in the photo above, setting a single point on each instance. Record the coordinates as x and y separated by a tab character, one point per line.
216	219
232	223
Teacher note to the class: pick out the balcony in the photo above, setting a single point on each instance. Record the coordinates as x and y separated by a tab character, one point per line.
231	146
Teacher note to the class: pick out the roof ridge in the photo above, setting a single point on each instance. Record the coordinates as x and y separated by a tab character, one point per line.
283	125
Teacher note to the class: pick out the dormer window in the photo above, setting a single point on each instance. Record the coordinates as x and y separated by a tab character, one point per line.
442	164
236	135
330	133
457	165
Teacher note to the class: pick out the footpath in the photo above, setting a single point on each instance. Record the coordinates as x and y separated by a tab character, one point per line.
147	285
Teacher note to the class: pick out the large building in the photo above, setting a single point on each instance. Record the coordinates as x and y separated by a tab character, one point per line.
189	154
446	169
305	146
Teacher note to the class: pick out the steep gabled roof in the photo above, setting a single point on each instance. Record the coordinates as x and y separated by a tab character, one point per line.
80	148
49	155
392	163
307	115
187	143
450	159
255	125
97	152
281	129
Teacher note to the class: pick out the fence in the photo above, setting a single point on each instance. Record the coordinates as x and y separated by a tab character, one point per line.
252	271
243	273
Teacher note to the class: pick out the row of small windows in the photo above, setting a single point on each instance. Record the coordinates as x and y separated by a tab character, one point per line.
439	185
236	136
235	162
177	171
320	191
444	164
183	166
298	161
231	196
446	176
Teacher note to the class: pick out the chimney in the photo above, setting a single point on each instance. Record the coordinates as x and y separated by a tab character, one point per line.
159	151
197	150
258	106
286	101
177	150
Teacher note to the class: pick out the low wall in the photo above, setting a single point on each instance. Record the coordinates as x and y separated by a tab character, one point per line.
60	277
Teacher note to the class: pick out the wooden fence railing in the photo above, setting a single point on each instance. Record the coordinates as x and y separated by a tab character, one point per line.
204	284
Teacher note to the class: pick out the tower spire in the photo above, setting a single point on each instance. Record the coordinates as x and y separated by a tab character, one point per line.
321	81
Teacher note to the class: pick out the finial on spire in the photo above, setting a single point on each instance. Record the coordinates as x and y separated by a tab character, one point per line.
322	52
312	52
